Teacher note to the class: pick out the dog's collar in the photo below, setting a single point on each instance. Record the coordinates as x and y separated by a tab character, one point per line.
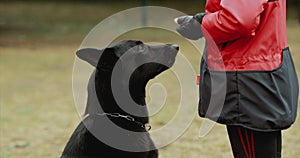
147	127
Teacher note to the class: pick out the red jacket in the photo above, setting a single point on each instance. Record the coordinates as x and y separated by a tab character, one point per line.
250	34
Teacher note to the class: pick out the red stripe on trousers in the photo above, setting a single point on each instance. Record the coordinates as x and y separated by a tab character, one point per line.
242	141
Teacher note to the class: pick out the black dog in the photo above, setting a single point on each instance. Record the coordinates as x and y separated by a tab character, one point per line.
108	130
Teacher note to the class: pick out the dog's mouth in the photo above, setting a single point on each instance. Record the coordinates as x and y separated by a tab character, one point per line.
171	55
163	59
171	62
168	63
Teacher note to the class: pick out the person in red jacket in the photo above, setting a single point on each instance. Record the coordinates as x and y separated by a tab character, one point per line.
246	42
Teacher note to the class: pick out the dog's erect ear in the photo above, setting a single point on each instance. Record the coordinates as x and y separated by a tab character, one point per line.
89	55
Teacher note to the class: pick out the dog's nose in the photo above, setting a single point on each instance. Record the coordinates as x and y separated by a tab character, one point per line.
175	46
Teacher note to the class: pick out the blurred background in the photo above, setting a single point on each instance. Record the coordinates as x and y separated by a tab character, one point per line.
38	39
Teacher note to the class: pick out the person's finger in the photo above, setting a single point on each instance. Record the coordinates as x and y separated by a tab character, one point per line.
182	19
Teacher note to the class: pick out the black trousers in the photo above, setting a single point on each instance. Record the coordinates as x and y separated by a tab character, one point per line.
246	143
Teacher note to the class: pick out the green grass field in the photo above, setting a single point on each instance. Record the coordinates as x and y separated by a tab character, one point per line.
37	111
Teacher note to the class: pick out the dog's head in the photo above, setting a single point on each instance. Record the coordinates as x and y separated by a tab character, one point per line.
147	61
131	58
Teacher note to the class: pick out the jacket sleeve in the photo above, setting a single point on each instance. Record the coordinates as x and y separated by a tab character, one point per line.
235	19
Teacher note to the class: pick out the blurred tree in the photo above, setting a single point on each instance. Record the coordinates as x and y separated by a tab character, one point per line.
298	9
293	5
293	9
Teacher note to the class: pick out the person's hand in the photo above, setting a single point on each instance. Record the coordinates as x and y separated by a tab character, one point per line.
190	26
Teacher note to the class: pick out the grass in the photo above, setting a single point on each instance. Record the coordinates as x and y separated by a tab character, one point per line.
37	112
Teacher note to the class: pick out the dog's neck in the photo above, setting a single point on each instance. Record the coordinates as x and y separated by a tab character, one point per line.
105	97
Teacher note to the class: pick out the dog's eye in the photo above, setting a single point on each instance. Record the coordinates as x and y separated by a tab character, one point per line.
141	48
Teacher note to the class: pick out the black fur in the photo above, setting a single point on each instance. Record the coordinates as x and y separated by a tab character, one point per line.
83	143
